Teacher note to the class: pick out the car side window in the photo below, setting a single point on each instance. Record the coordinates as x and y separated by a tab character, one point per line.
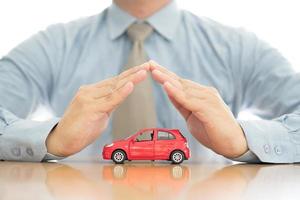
162	135
145	136
171	136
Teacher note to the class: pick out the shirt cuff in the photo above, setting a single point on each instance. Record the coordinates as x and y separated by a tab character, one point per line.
269	141
51	157
248	157
24	140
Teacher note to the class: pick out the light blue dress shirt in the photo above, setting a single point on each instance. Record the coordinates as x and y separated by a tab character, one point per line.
49	68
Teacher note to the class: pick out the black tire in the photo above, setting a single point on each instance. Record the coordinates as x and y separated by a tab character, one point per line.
177	157
118	156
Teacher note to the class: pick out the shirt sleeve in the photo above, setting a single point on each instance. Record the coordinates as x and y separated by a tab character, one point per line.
26	81
269	87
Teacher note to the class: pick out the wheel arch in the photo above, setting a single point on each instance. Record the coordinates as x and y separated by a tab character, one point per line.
119	149
177	150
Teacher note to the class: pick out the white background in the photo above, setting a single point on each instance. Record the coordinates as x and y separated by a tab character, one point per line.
275	21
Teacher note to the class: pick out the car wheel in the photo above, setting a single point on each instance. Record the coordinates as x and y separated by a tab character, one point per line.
177	172
177	157
119	156
119	172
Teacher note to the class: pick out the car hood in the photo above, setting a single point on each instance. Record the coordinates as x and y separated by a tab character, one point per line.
117	141
120	141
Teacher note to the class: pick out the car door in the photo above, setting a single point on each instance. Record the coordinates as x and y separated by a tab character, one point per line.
164	144
142	147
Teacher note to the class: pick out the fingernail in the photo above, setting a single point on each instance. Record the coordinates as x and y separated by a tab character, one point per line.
168	84
146	65
153	63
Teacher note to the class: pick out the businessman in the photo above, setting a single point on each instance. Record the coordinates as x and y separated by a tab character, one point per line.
95	76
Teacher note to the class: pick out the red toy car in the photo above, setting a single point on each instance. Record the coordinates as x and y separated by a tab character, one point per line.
149	144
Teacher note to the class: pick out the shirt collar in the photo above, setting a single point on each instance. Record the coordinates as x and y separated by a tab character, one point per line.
164	21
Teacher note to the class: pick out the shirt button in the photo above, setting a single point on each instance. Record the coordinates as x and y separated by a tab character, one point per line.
16	151
29	151
267	148
278	150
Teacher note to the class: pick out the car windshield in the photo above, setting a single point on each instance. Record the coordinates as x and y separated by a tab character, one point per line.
128	137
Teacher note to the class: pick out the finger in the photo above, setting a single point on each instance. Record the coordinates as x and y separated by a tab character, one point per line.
184	112
135	69
109	103
135	78
107	89
162	78
175	93
121	76
102	92
202	95
196	93
193	104
162	75
191	84
155	66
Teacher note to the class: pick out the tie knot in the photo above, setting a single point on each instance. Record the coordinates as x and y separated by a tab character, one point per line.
139	31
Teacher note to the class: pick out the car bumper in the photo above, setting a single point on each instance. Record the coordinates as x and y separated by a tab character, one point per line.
106	154
187	153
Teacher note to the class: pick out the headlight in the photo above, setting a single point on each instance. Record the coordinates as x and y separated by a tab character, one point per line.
186	144
110	145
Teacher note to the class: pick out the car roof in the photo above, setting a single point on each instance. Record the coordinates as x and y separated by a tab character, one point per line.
161	129
175	131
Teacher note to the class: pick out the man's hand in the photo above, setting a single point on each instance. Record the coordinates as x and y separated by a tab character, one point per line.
88	113
208	117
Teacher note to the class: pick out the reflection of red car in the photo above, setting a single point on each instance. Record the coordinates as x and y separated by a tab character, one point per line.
149	144
157	182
